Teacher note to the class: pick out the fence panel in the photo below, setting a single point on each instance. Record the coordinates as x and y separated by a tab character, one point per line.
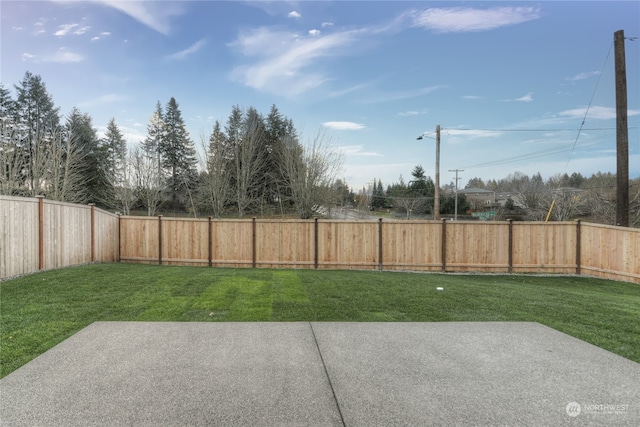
185	241
348	244
610	252
18	236
139	239
232	243
67	234
412	246
288	244
106	236
544	247
477	246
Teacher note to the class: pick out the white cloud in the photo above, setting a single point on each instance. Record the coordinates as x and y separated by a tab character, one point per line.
467	19
596	112
412	113
357	150
527	98
343	125
471	97
314	33
583	76
27	56
64	56
64	29
80	31
395	96
283	60
293	14
100	36
188	51
326	24
155	15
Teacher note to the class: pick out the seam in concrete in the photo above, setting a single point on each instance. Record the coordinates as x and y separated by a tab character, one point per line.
326	372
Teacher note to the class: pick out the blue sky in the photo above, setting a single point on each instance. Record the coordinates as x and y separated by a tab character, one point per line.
509	82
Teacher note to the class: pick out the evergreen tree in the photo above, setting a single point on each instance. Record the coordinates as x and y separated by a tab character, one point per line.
178	154
115	148
37	120
93	157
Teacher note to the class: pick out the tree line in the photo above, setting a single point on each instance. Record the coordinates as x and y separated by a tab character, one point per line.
561	197
249	164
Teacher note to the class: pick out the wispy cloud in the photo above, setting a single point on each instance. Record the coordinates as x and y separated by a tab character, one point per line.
467	19
64	56
406	94
284	62
583	76
343	125
596	112
101	100
64	29
357	150
413	113
155	15
471	97
101	36
188	51
526	98
61	56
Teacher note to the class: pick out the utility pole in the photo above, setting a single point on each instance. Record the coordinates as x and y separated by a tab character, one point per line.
436	195
622	132
455	215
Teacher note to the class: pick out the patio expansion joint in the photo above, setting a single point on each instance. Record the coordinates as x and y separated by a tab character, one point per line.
326	372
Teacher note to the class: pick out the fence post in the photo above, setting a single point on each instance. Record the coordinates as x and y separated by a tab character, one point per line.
380	244
444	245
578	244
210	249
119	237
40	232
160	239
510	255
315	244
253	244
93	231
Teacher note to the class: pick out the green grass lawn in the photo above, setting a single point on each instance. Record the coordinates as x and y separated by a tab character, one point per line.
41	310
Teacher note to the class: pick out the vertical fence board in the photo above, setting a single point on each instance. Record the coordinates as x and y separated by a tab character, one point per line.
285	244
412	246
477	246
344	244
610	252
185	241
544	247
139	239
18	236
232	243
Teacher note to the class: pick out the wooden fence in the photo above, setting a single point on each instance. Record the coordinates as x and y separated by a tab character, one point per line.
37	234
461	246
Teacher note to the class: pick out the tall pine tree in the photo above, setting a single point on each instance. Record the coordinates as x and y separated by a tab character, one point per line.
178	154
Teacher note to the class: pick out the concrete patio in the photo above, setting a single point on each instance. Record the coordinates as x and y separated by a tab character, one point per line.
322	374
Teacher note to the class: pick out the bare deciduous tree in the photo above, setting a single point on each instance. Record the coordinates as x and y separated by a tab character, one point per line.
147	176
310	171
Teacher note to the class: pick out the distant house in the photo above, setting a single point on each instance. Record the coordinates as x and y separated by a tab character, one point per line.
480	198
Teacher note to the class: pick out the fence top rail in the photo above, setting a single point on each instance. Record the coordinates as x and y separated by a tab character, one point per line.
612	227
19	199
